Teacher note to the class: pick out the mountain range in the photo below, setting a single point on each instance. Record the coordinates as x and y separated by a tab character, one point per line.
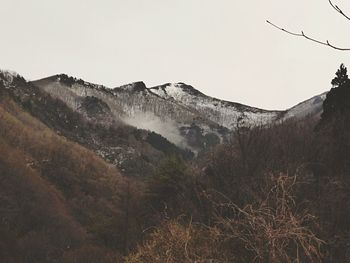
133	126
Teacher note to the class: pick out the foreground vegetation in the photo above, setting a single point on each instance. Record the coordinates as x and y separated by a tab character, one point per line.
276	193
272	194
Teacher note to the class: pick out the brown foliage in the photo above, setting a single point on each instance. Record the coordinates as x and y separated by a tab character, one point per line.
177	242
56	195
272	229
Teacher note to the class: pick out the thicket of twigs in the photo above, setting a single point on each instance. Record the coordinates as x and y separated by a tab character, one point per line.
272	229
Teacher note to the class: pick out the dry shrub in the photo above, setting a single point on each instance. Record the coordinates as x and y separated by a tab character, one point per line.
174	242
272	230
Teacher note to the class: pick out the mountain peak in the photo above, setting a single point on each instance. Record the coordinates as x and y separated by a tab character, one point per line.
188	89
175	90
132	87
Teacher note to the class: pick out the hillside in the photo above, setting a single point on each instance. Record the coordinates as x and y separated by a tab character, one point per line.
57	198
134	151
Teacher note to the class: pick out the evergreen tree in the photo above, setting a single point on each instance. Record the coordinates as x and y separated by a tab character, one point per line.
341	77
338	98
334	126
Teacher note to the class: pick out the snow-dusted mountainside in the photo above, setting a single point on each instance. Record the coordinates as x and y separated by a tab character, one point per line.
179	112
311	106
114	122
222	112
135	152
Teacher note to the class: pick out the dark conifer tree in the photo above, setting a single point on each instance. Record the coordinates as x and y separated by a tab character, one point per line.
334	126
338	98
341	77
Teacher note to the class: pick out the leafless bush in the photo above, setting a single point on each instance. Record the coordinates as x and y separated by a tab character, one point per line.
174	242
273	229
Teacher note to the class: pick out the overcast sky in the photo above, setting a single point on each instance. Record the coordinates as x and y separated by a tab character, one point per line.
224	48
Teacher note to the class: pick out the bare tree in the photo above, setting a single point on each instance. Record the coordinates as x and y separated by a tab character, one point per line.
303	35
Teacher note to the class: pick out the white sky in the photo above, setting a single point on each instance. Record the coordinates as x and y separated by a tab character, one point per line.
224	48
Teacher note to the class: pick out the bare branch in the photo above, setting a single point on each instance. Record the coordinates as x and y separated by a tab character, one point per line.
336	8
302	34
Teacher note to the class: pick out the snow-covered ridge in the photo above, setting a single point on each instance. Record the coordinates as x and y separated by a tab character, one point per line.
225	113
179	100
177	111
